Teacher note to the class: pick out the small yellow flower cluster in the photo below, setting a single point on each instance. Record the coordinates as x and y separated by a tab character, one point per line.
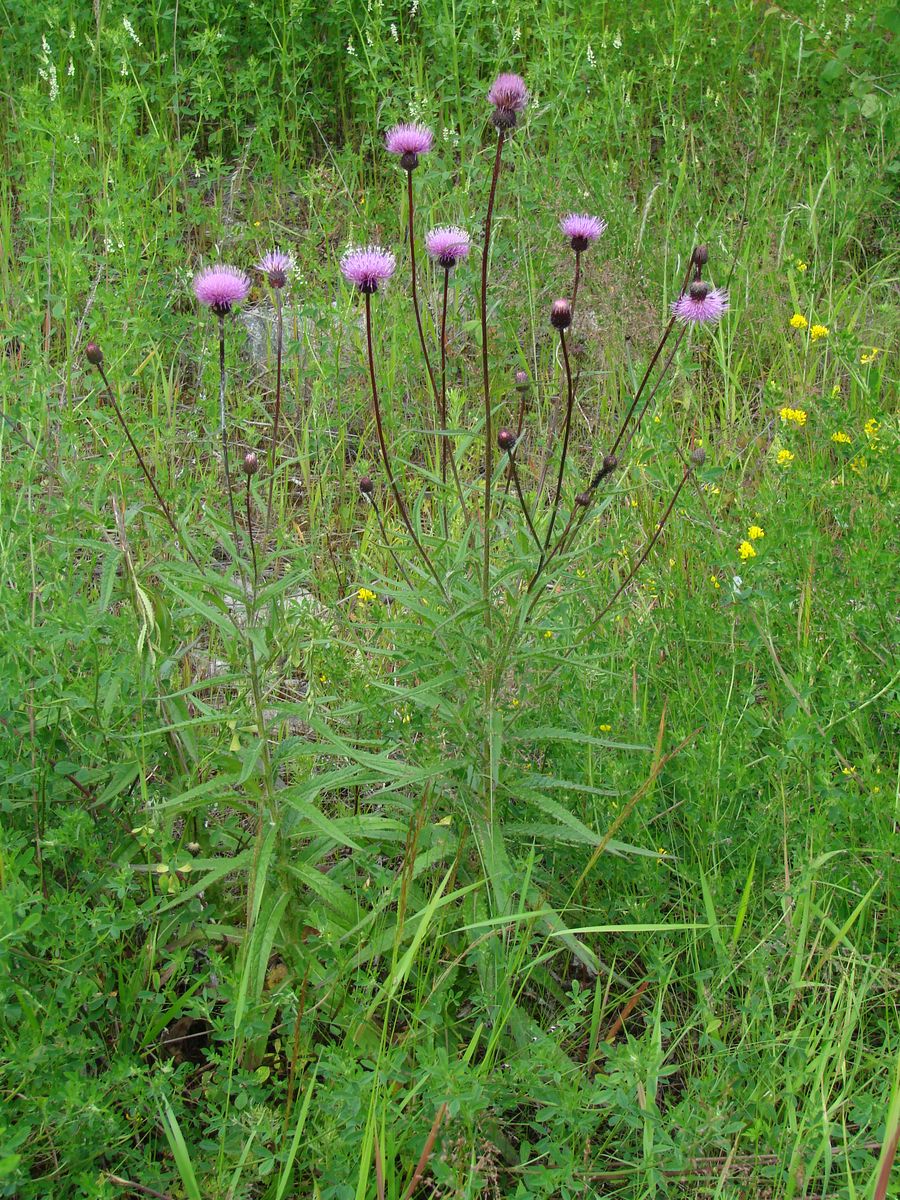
840	436
746	550
755	532
605	728
858	464
871	429
800	265
798	321
549	634
784	458
818	331
715	582
873	353
365	595
797	415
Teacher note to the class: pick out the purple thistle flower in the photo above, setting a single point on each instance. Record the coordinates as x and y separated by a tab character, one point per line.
220	287
367	266
409	141
581	229
447	244
276	266
509	95
701	304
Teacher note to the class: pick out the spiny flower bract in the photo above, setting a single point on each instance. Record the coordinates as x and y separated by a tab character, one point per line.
368	266
582	229
447	244
220	287
701	304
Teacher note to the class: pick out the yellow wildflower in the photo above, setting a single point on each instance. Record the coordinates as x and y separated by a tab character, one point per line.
514	703
858	464
836	390
745	550
784	458
840	436
755	532
818	331
364	594
798	321
871	428
549	634
715	582
605	728
800	265
797	415
871	356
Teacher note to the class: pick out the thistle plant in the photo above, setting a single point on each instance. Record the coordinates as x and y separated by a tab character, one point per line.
496	568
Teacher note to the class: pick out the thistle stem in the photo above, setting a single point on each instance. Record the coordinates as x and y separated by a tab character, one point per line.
446	449
485	373
397	563
570	400
652	363
279	336
514	471
655	387
640	562
577	278
146	470
384	450
252	541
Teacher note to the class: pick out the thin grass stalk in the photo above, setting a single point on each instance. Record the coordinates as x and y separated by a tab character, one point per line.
145	469
485	373
385	457
279	340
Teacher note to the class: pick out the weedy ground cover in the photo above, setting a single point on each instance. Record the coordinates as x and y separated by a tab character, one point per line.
401	797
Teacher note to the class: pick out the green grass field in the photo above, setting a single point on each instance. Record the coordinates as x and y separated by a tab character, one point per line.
329	871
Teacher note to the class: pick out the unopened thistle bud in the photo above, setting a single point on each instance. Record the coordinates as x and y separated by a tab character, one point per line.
561	314
583	499
610	462
521	379
93	353
700	258
366	486
506	440
251	462
698	456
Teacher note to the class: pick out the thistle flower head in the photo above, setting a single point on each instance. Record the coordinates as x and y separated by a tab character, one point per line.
701	304
93	354
561	314
582	229
409	140
276	266
506	440
521	378
508	95
366	486
698	456
221	287
251	462
447	244
367	266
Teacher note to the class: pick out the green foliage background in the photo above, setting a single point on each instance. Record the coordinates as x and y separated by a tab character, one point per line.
425	856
